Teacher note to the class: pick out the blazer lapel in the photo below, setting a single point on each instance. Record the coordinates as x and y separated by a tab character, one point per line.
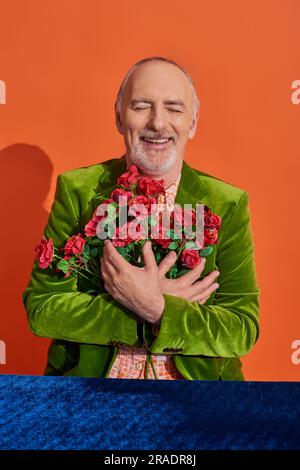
108	180
190	190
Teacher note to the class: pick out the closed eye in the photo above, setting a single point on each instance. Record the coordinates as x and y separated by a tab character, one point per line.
148	107
138	109
174	110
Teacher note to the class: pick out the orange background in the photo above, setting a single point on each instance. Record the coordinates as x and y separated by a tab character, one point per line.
62	62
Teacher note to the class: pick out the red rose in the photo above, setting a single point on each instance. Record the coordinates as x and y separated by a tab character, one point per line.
190	258
212	220
140	207
90	227
44	253
149	186
164	243
147	201
163	238
121	237
119	193
129	177
136	231
129	232
177	217
103	208
210	236
74	246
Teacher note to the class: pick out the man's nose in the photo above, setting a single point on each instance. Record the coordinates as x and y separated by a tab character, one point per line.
158	119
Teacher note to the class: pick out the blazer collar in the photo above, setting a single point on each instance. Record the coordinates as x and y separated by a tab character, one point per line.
190	190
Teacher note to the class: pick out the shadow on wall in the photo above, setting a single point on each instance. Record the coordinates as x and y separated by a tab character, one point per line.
26	172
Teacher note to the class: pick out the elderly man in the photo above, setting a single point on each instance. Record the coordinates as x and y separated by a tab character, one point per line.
144	325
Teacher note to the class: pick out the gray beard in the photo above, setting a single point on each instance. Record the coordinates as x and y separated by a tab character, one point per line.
155	162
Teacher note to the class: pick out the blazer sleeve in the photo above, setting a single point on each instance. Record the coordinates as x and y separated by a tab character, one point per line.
54	306
228	327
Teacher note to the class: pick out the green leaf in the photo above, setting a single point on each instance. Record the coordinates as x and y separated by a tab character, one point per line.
158	258
174	234
191	246
95	241
94	251
182	272
121	249
206	251
173	246
63	266
173	272
129	247
86	249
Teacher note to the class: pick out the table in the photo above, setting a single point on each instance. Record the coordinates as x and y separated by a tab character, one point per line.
68	413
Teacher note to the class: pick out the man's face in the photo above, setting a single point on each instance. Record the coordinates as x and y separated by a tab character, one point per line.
156	117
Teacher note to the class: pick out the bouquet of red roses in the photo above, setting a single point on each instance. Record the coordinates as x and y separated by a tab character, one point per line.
132	215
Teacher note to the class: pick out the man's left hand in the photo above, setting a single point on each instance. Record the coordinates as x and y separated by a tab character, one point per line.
138	289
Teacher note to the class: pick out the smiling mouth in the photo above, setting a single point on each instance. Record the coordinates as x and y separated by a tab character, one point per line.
156	143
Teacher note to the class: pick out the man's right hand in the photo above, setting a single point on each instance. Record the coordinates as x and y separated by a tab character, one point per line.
187	285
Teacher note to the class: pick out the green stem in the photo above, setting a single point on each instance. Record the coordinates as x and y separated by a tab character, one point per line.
73	268
181	249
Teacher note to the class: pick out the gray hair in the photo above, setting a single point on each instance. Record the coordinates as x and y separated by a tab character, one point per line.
196	102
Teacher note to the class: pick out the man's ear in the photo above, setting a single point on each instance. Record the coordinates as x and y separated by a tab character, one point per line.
119	123
193	127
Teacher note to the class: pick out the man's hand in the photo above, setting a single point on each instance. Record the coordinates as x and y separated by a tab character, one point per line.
186	286
136	288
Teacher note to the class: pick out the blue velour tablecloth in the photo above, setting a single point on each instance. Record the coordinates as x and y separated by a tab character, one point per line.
114	414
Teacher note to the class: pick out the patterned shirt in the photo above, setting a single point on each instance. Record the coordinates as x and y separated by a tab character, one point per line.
137	363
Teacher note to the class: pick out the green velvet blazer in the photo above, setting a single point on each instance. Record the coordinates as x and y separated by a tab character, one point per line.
206	341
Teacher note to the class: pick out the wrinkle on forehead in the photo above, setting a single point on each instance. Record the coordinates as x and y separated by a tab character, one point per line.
156	81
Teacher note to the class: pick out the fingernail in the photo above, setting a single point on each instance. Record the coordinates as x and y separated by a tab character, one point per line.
217	273
217	285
